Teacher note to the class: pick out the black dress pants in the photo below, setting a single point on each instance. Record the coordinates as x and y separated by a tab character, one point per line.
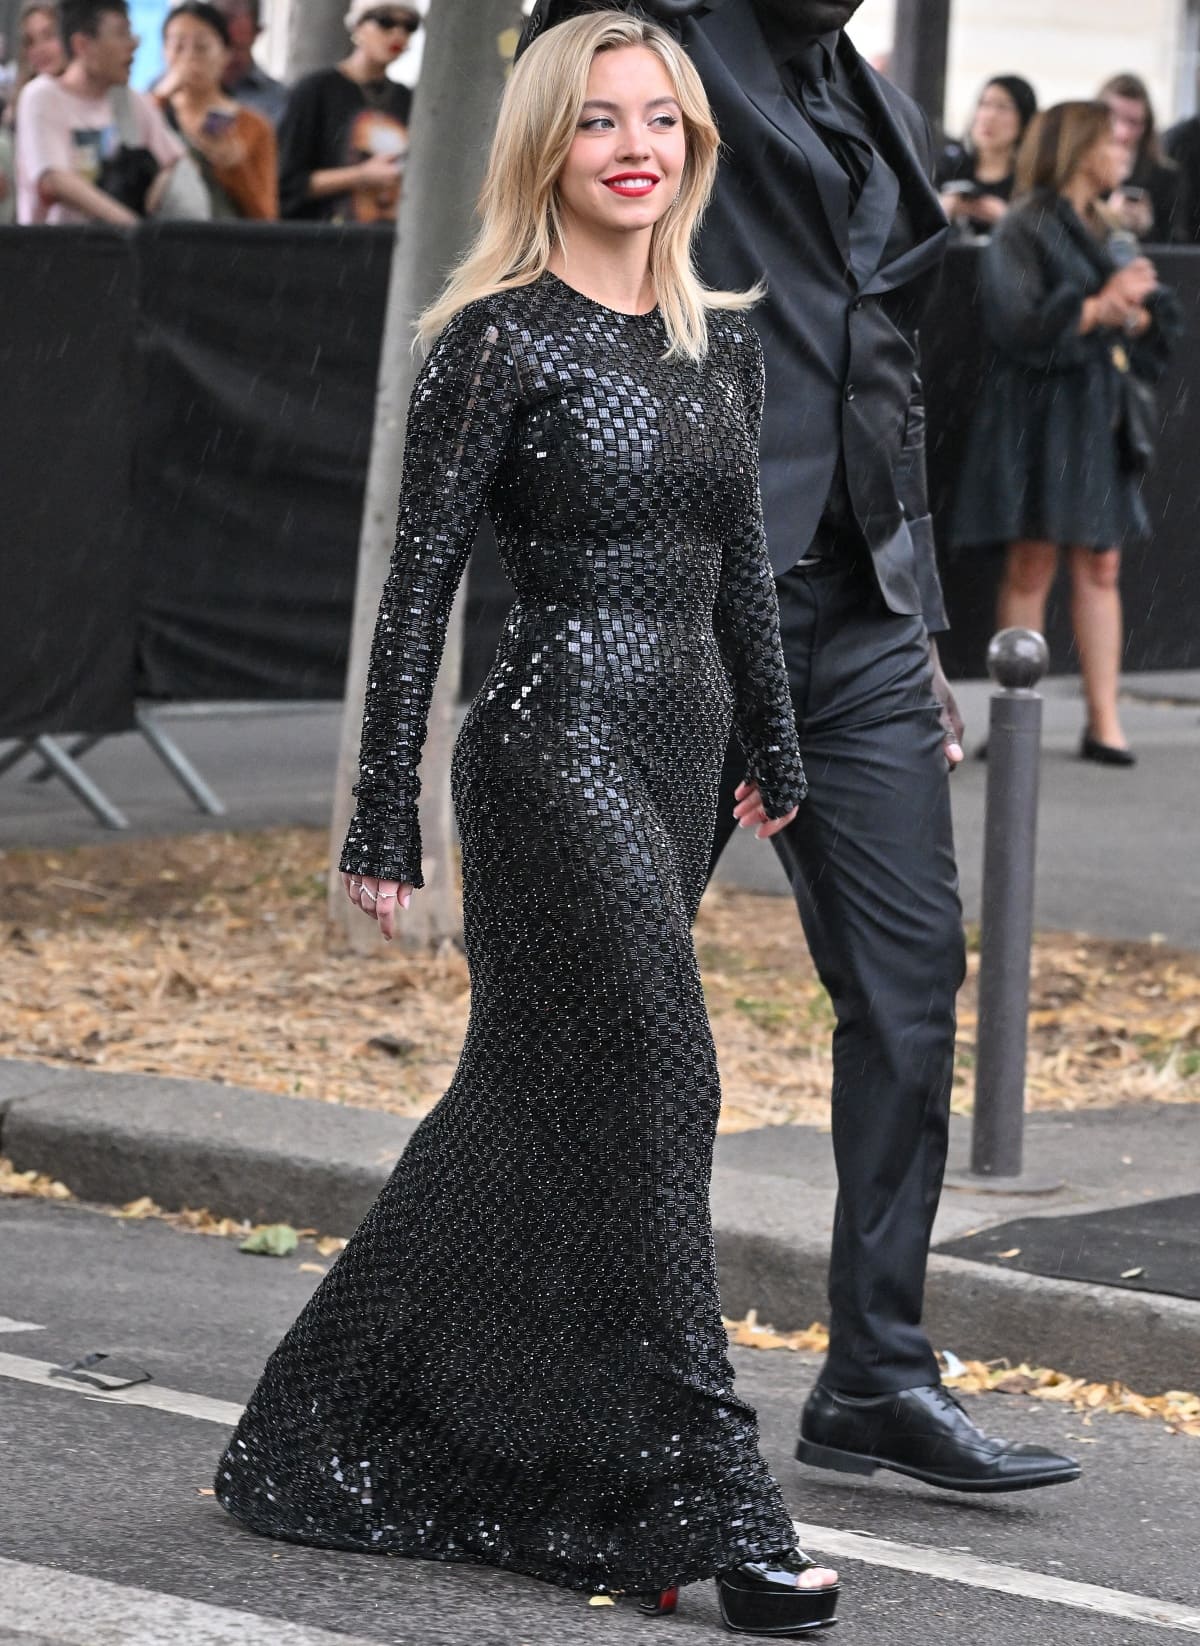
870	859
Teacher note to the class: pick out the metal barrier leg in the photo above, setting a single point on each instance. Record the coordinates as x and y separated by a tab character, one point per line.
1017	659
178	764
19	750
80	747
80	784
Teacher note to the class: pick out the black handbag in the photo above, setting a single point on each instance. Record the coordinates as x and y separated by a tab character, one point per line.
127	176
1137	419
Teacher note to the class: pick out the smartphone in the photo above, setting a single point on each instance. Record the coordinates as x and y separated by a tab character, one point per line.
962	186
216	123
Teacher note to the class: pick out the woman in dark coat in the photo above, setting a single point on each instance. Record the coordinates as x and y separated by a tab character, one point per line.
1058	447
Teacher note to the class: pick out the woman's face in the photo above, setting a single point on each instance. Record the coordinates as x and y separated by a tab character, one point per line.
997	122
41	44
1130	118
1106	163
384	35
196	54
626	162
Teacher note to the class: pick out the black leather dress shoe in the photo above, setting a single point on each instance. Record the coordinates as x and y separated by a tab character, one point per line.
923	1433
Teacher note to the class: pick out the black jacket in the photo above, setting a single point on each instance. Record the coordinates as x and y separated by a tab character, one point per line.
1182	143
1044	459
839	323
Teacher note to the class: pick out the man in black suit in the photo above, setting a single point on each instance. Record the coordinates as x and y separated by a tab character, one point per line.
825	194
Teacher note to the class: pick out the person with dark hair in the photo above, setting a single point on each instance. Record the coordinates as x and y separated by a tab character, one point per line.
69	137
233	147
1061	434
344	135
825	194
1182	145
1151	198
975	177
244	79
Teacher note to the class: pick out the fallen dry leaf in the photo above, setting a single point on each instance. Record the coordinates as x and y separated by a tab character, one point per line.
1179	1409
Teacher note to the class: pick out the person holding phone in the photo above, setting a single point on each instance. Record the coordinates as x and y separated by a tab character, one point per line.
1151	200
233	146
1079	331
343	139
975	177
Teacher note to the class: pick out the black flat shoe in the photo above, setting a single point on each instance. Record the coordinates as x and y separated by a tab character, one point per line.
923	1433
1105	754
761	1598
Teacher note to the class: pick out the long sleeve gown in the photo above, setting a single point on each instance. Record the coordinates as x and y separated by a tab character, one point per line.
519	1359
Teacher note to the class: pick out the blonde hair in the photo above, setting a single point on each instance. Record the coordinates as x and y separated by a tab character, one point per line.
519	205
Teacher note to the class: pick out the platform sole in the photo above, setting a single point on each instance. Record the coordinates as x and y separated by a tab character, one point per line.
859	1463
755	1613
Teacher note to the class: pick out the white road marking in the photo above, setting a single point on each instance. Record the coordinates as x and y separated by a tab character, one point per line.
159	1399
953	1567
7	1324
80	1611
948	1565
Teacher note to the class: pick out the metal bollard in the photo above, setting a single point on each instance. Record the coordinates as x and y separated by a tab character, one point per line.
1017	659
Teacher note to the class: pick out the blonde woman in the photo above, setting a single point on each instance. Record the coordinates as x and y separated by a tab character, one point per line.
519	1357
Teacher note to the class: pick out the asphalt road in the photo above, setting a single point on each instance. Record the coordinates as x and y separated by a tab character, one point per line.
1116	849
105	1538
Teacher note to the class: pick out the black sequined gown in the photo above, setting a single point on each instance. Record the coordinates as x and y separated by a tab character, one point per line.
519	1357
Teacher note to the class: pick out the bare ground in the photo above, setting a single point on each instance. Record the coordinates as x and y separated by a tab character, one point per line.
209	956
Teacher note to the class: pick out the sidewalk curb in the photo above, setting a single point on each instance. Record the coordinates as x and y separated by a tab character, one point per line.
259	1156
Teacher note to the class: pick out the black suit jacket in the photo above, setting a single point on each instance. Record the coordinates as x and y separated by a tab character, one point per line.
839	322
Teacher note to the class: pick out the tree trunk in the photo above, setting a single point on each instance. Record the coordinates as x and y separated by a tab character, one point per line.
314	36
919	50
470	44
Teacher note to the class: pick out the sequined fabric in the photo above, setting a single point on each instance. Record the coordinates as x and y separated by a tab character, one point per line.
519	1358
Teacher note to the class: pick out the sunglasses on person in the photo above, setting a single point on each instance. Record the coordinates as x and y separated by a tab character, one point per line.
389	20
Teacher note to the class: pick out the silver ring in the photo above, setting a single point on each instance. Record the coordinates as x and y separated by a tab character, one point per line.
386	897
367	892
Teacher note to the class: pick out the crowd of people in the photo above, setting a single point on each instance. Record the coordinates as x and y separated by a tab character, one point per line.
1156	196
1079	327
332	147
216	137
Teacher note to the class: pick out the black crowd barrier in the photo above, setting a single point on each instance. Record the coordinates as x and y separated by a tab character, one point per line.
185	426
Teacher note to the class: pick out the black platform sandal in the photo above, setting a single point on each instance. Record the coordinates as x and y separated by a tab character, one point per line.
761	1598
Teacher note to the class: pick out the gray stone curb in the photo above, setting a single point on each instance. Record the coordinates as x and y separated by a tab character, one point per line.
255	1155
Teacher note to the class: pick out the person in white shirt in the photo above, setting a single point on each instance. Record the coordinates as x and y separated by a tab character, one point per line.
69	126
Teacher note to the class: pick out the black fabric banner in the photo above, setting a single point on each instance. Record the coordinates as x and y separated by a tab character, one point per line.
185	427
260	349
67	313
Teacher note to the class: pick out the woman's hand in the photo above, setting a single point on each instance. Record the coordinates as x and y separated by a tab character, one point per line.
985	209
1120	296
377	898
226	152
1135	215
750	811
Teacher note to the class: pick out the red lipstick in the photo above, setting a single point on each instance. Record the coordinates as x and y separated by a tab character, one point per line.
632	184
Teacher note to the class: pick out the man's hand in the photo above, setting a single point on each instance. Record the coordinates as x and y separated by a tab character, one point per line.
948	713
